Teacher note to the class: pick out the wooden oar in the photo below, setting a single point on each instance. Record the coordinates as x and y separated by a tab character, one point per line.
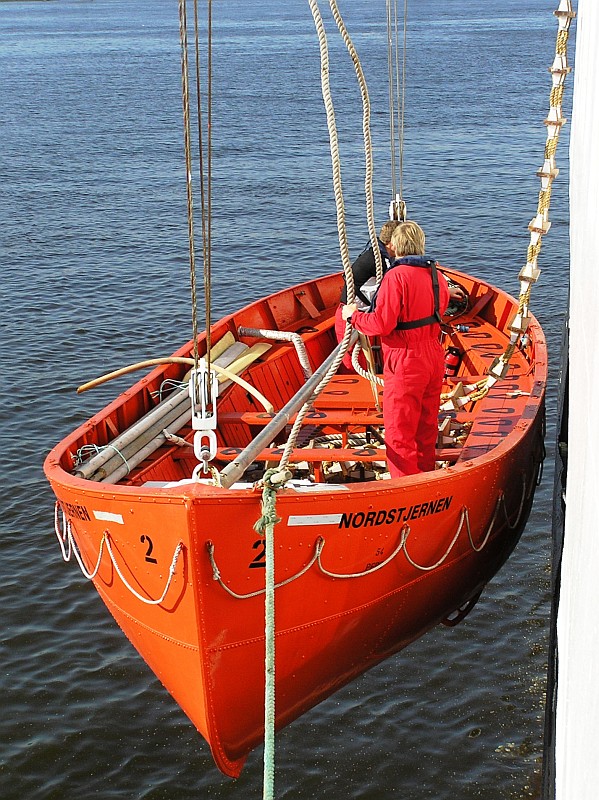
153	362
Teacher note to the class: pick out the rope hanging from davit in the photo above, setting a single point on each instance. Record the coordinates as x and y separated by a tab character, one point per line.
188	165
276	478
538	226
338	191
203	387
204	177
397	96
369	166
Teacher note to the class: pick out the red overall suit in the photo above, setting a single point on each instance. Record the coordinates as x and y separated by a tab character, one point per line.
413	362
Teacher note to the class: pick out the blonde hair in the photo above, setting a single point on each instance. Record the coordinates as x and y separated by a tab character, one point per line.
408	239
387	229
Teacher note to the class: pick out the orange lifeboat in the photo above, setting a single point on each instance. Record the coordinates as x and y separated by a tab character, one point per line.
364	564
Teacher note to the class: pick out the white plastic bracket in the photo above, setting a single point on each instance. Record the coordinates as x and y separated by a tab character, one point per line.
398	209
203	402
203	391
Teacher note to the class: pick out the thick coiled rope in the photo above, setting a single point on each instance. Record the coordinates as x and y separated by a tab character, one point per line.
369	168
338	192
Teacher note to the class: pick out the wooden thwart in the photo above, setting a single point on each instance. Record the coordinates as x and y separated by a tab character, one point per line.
342	454
336	417
314	455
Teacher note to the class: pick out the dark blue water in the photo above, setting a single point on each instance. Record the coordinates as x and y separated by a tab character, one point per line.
94	275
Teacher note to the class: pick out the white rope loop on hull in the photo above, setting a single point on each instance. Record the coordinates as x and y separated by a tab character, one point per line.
68	546
403	539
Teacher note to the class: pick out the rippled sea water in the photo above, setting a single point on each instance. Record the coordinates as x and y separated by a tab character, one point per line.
94	275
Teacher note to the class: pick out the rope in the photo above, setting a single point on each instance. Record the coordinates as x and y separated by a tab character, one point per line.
205	182
369	169
374	379
402	107
274	479
334	147
525	494
338	191
405	530
188	169
398	80
88	451
441	560
269	517
217	576
500	501
391	96
466	518
171	573
65	537
339	202
168	385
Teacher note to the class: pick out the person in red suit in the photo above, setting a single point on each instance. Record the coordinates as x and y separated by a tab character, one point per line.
406	314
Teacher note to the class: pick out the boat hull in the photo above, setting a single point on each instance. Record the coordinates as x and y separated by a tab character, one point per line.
362	569
207	647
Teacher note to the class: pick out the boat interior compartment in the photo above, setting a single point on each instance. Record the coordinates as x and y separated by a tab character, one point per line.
265	355
342	438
